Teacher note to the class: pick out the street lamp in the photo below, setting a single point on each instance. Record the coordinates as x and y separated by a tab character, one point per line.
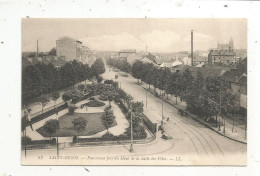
131	145
129	98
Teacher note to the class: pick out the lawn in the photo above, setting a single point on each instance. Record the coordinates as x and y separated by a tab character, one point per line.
94	125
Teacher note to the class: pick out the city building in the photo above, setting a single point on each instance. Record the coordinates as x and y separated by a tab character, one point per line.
237	82
69	49
217	57
149	58
126	53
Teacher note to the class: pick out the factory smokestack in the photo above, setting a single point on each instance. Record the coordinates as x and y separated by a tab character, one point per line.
191	48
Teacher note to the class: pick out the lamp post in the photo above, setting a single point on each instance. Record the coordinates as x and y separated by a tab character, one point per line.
131	145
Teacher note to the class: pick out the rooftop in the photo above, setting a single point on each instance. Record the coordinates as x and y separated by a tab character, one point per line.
222	53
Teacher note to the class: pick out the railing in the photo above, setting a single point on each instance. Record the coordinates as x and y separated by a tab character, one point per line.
47	109
38	146
117	142
36	117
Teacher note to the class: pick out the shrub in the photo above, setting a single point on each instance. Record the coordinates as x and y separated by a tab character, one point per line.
103	97
99	79
92	98
72	109
108	135
26	140
53	141
95	103
108	81
75	139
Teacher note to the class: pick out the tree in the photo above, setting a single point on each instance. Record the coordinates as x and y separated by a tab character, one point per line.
99	79
137	107
197	89
81	88
148	78
52	52
175	85
31	82
43	100
55	96
51	126
186	84
108	118
79	125
137	70
98	67
73	95
138	129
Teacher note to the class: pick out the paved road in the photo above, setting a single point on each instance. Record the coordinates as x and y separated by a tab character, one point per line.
191	141
188	135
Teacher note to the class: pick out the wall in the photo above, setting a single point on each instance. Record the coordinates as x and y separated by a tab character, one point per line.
66	48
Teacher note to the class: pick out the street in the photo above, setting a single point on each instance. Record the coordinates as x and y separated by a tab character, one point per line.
188	141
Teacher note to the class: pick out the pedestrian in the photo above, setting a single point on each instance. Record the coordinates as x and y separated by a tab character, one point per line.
168	119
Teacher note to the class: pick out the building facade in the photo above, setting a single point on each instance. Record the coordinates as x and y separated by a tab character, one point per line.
237	82
69	49
221	57
126	53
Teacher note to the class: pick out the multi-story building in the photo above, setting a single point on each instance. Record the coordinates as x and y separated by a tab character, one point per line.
237	82
126	53
221	57
69	49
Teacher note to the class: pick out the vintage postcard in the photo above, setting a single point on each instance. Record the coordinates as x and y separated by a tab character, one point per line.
128	91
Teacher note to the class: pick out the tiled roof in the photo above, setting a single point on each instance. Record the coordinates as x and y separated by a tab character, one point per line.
128	51
206	71
222	53
232	75
242	80
151	57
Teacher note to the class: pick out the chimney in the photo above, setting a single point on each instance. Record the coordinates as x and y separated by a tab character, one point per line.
192	48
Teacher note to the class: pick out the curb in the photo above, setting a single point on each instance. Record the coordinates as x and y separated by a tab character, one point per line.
196	119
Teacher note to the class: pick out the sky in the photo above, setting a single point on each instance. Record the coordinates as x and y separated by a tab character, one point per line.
114	34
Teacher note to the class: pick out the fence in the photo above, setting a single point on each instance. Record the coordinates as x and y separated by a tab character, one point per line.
115	142
87	143
150	125
36	117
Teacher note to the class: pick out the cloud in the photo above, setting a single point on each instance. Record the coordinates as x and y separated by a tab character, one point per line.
114	42
155	41
160	40
199	37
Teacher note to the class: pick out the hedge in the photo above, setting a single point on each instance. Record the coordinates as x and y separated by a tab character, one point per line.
94	103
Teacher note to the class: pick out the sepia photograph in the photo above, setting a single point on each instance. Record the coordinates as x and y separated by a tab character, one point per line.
134	91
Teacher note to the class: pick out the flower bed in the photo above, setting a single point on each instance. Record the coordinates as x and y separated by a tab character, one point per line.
94	103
